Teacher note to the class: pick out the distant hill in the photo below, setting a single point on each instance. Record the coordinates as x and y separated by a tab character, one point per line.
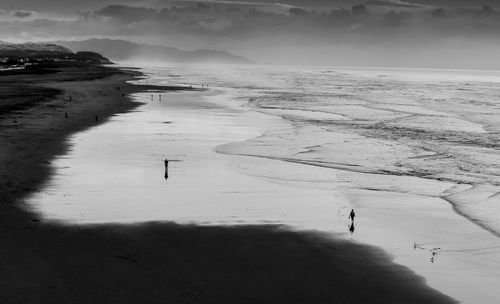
91	57
30	50
11	52
122	50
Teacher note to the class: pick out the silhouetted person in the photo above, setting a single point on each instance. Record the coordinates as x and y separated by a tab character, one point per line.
166	168
351	228
434	251
69	97
96	118
352	215
65	115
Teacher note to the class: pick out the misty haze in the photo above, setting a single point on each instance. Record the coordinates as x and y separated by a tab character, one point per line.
250	151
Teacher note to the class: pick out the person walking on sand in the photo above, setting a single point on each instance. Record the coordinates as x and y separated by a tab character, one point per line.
352	215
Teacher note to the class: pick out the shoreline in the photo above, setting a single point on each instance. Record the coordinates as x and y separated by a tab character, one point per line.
411	214
158	262
95	97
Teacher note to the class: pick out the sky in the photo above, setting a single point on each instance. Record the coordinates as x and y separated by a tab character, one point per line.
393	33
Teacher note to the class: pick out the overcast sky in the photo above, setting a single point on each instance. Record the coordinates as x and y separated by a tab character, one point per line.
420	33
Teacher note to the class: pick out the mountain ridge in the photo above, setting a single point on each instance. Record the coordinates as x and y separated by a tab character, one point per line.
22	53
123	50
34	47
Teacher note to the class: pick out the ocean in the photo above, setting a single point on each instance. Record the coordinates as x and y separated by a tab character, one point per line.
439	127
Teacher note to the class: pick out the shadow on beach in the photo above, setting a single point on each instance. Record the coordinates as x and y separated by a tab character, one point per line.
162	263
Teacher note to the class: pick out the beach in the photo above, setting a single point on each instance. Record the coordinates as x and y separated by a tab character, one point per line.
157	262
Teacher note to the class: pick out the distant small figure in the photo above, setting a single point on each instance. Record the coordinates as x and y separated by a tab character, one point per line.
414	245
69	97
151	97
96	118
159	95
352	215
166	168
65	115
434	251
351	228
432	258
123	94
190	86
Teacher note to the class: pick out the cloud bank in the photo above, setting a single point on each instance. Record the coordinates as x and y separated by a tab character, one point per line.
439	33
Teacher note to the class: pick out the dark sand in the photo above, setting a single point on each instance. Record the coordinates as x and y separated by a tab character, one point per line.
156	262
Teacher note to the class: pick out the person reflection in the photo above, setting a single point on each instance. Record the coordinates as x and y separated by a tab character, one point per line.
434	252
351	228
166	168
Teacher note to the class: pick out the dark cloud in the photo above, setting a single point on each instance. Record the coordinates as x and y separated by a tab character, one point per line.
360	9
250	19
395	3
247	20
87	5
266	28
127	13
61	6
439	13
350	3
22	14
452	4
398	19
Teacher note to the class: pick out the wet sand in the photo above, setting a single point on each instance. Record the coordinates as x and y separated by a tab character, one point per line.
160	262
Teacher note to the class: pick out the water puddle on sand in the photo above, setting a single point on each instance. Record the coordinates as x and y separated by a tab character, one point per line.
115	173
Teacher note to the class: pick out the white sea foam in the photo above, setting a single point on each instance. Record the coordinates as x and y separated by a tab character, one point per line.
429	124
441	125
